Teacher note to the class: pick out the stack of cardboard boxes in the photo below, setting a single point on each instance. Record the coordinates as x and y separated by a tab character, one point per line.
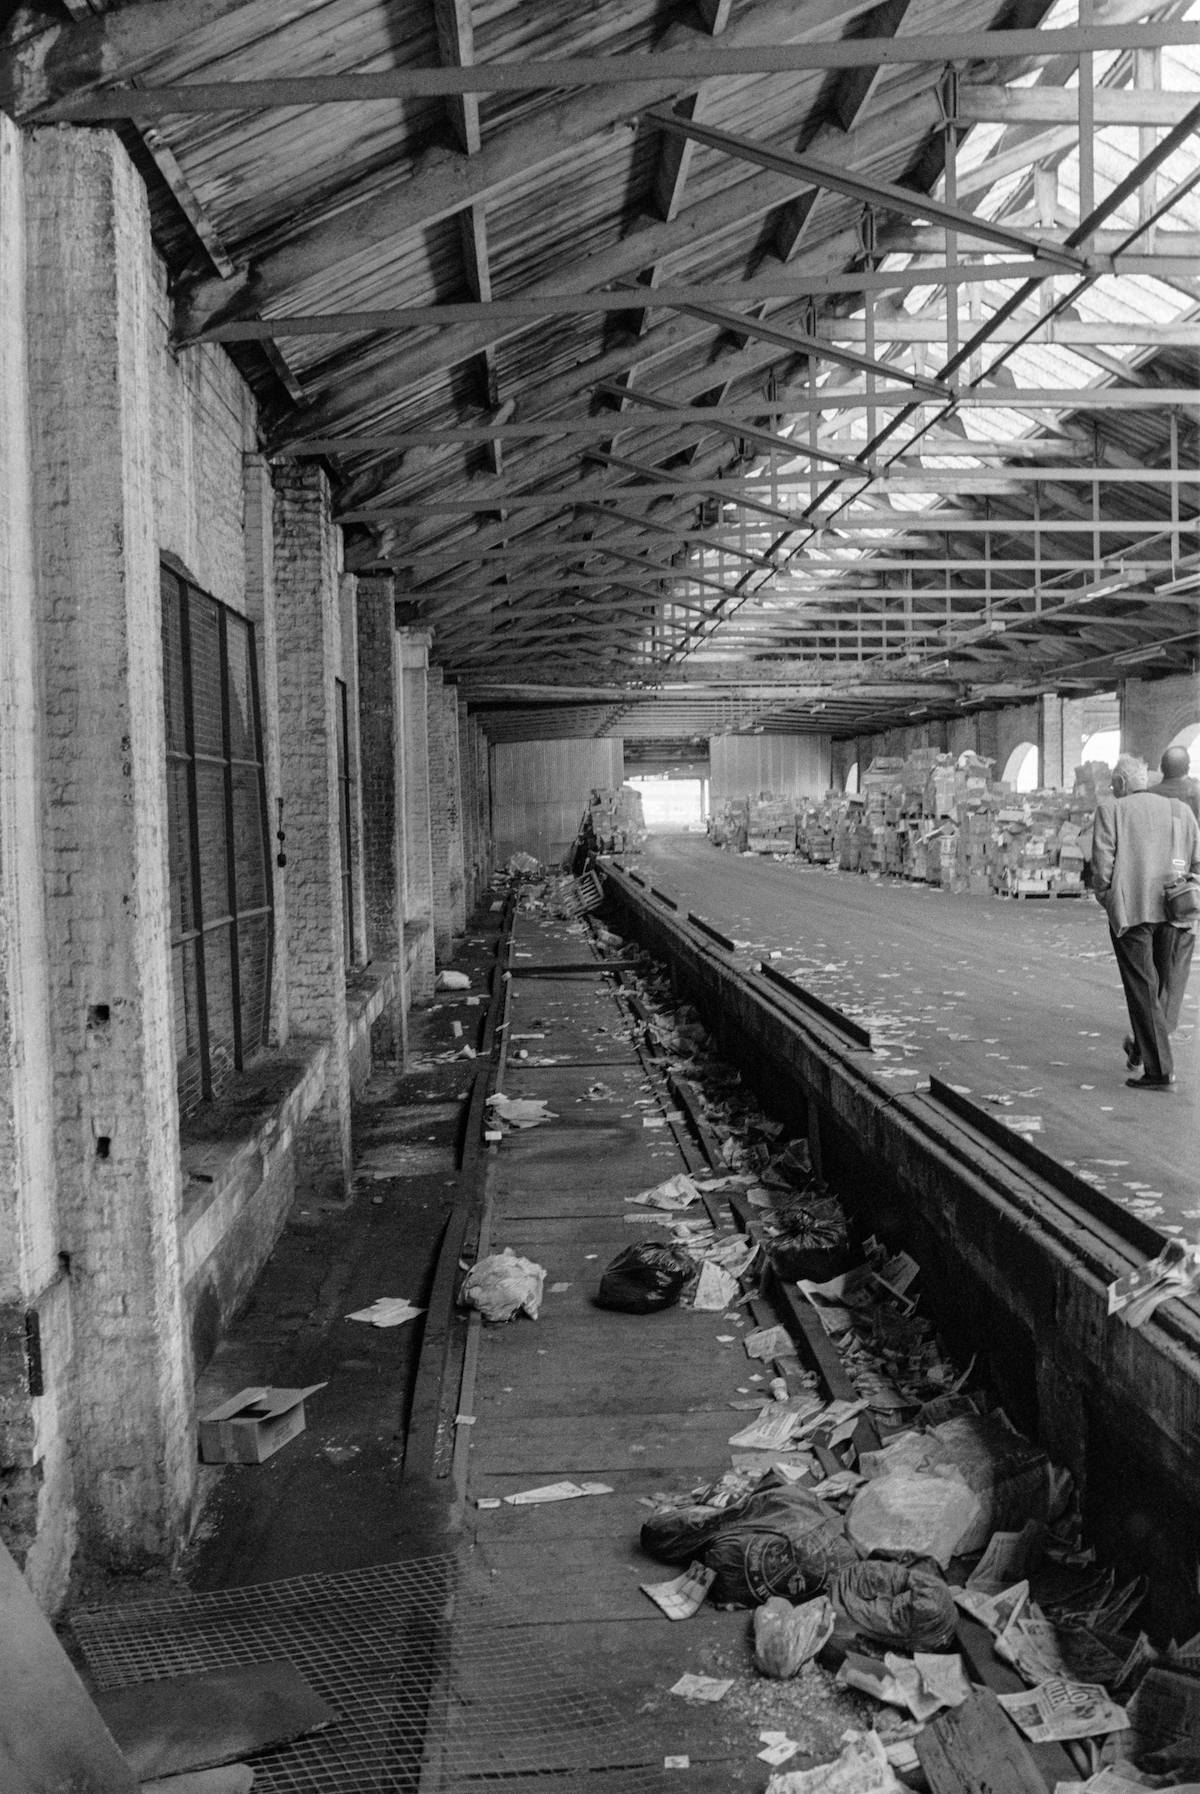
946	821
771	823
935	819
616	819
816	829
727	823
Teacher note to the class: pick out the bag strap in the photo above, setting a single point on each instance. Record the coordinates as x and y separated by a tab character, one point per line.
1178	863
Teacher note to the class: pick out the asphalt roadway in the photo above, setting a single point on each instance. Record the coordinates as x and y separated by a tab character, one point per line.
1017	1002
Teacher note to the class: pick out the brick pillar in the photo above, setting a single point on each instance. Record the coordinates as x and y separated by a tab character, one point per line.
1050	741
468	781
38	1514
1072	739
439	818
382	748
418	843
306	609
116	1131
348	588
482	795
483	764
260	608
455	854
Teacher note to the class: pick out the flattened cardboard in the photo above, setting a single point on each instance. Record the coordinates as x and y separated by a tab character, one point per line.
212	1717
252	1424
38	1679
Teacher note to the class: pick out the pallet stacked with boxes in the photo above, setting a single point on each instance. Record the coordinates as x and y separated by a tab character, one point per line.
935	820
941	821
727	824
816	830
616	820
771	823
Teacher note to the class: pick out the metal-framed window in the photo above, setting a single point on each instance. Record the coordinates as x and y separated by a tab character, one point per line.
345	835
222	923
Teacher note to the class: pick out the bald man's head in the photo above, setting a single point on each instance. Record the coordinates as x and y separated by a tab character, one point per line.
1176	763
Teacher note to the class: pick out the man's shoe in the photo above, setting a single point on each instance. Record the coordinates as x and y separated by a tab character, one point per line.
1133	1057
1147	1083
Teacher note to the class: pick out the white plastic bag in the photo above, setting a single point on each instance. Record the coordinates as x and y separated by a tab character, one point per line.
502	1285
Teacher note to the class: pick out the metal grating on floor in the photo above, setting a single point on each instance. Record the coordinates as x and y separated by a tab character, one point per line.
439	1686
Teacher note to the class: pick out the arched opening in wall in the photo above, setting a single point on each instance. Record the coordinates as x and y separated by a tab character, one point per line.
851	785
1187	738
1104	745
671	806
1021	769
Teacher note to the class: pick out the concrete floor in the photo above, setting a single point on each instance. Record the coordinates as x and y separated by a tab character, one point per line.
641	1403
1018	1002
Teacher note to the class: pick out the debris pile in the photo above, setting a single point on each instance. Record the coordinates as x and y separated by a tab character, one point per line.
883	1519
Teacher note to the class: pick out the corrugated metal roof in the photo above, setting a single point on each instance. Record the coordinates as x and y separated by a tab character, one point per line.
338	208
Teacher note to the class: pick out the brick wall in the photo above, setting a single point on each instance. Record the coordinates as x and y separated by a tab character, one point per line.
37	1497
308	624
259	551
380	700
455	853
991	733
442	816
1155	711
348	672
418	837
92	340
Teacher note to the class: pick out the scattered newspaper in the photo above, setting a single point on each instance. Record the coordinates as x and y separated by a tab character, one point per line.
769	1342
701	1688
862	1768
716	1289
684	1595
1057	1710
387	1311
1111	1781
678	1192
770	1432
1175	1272
1030	1643
564	1491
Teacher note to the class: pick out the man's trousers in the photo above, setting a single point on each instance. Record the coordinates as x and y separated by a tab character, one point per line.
1154	959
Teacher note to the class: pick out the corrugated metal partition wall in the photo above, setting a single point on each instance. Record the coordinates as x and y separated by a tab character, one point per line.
540	791
788	765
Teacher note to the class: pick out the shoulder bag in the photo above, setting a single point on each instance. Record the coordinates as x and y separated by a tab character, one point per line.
1181	893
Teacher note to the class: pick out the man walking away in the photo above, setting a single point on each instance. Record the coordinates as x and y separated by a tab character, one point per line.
1136	836
1176	765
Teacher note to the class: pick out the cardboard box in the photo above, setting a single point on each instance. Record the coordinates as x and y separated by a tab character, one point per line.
252	1425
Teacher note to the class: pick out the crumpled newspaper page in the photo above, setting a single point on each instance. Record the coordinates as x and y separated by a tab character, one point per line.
520	1111
684	1595
564	1491
716	1289
677	1192
701	1688
387	1311
862	1768
1057	1710
1175	1272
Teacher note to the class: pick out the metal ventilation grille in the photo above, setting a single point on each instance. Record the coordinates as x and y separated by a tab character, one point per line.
439	1686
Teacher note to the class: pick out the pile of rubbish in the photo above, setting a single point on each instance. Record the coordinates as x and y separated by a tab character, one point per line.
886	1519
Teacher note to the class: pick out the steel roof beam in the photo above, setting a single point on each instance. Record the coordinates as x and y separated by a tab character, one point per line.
799	342
30	92
869	191
1116	106
851	398
507	154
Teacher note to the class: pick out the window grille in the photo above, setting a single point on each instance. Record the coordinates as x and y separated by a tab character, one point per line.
221	916
345	838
